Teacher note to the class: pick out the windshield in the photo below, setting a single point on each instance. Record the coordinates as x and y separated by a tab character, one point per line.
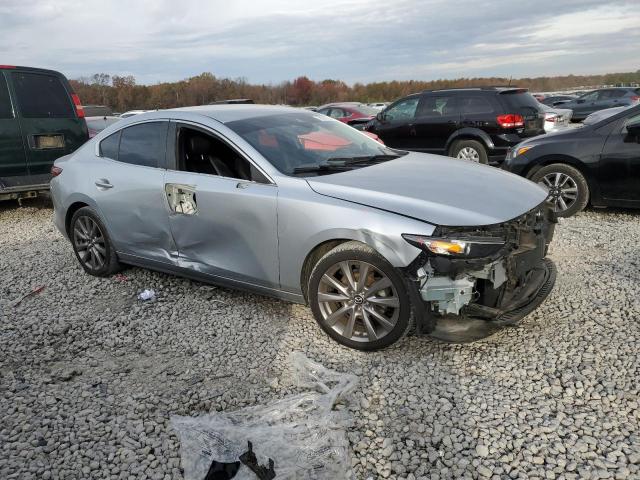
299	141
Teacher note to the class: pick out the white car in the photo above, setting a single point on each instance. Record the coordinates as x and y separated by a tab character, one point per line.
556	118
131	113
379	105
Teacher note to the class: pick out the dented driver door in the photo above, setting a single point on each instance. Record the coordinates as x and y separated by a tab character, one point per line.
224	227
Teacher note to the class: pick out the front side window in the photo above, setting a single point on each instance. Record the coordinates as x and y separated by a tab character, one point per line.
403	110
590	97
291	141
42	96
336	113
200	152
6	111
144	144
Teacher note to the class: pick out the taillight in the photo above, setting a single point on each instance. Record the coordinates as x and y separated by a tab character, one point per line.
510	120
79	108
635	98
55	170
553	119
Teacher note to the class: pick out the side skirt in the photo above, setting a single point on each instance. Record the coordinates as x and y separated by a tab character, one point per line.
206	278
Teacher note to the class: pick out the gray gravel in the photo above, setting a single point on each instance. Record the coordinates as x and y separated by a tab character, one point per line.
89	375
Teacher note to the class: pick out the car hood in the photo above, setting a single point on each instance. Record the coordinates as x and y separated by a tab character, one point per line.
436	189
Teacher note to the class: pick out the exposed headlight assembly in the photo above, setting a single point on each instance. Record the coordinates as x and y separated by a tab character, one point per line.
471	247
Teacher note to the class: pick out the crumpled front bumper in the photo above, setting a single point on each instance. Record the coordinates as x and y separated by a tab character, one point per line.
467	299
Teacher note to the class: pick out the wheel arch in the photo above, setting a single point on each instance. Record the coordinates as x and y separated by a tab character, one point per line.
469	133
555	158
71	210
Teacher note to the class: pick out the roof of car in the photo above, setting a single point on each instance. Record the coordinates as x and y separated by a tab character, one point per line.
497	88
232	112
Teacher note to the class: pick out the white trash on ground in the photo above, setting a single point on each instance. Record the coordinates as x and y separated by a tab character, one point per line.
304	434
147	294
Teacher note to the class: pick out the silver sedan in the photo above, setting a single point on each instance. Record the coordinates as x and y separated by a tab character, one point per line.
296	205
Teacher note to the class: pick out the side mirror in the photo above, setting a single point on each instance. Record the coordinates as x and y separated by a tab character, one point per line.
380	117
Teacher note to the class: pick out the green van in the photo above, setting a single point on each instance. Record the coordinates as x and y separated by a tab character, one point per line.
41	119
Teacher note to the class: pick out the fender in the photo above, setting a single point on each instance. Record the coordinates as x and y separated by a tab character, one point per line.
470	133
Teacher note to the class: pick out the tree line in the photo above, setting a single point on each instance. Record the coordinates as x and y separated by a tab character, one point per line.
122	93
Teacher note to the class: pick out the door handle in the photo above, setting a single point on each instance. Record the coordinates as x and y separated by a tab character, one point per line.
242	185
103	183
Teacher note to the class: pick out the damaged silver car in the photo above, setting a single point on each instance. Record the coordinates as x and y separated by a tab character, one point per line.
297	205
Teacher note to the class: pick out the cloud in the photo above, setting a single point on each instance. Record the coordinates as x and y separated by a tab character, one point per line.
353	40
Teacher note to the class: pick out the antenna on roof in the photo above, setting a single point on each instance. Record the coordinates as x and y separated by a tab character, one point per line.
510	78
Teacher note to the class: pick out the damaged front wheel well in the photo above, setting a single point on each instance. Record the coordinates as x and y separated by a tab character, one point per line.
312	258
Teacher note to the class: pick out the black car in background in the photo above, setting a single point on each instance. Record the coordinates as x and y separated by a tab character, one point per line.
597	164
479	124
600	99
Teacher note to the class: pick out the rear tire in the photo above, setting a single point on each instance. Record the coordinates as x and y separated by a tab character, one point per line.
568	189
365	313
470	150
92	244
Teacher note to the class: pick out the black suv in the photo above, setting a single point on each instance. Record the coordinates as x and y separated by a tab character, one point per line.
478	124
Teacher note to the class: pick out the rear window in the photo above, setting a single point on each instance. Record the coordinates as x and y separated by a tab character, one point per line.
5	101
516	101
144	144
42	96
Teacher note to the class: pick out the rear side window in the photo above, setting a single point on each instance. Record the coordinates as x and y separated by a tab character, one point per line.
472	105
518	101
42	96
437	106
109	146
5	101
144	144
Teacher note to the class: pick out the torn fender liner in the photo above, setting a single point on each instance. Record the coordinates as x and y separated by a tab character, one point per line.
304	434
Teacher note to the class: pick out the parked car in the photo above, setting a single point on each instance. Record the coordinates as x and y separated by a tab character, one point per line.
41	119
603	98
131	113
379	105
97	124
557	100
478	124
252	198
595	117
597	164
97	111
556	118
233	101
358	115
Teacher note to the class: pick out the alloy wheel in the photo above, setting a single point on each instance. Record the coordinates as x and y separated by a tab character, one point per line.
563	190
468	153
90	243
358	301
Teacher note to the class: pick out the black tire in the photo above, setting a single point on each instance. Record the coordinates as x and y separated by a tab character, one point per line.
367	309
544	174
98	238
460	145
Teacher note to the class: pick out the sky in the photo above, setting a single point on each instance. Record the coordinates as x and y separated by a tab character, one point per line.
268	41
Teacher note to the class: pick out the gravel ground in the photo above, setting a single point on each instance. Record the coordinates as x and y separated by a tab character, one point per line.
89	375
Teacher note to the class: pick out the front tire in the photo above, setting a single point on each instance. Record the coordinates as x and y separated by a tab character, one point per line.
470	150
568	189
92	244
358	298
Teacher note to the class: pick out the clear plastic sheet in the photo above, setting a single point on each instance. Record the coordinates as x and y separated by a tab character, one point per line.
304	434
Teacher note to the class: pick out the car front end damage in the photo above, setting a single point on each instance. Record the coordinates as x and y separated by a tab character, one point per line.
470	281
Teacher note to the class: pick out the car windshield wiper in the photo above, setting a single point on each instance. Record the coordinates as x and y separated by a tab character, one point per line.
322	168
364	159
